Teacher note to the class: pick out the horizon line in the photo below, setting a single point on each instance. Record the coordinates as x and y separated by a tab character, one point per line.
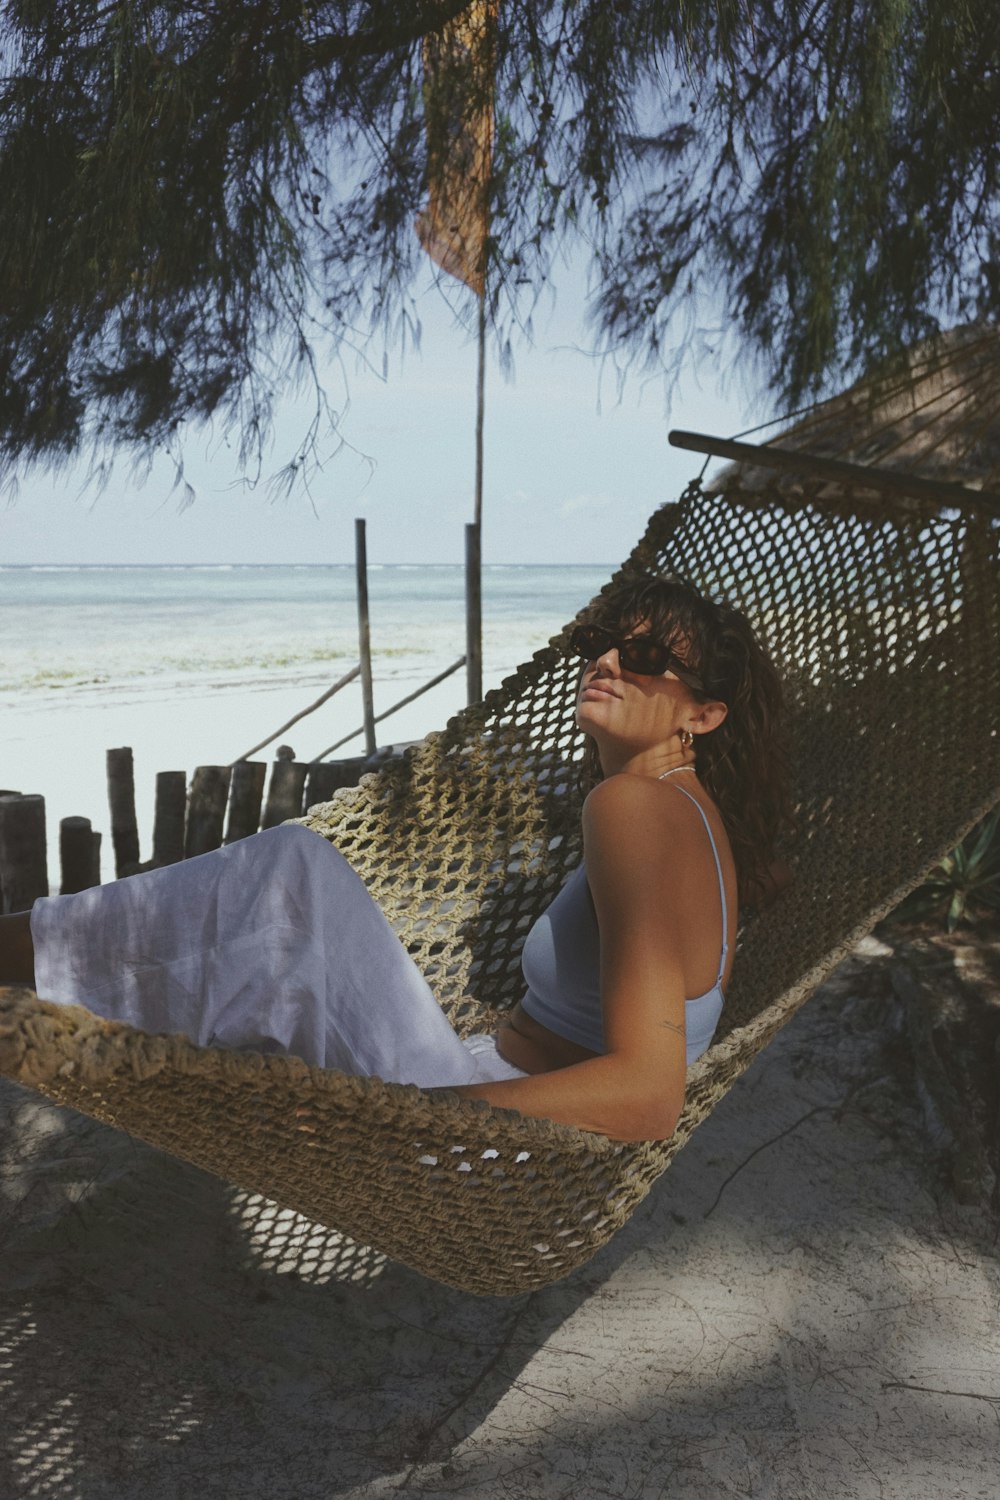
348	563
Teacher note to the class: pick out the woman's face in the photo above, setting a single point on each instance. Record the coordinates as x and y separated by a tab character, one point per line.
631	710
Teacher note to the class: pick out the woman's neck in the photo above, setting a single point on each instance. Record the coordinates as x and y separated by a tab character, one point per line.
653	764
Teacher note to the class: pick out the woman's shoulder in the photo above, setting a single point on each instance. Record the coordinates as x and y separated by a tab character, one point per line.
637	805
626	789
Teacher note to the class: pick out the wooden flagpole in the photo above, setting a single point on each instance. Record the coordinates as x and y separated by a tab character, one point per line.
474	538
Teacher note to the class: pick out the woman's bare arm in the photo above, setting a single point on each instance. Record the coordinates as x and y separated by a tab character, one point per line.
638	838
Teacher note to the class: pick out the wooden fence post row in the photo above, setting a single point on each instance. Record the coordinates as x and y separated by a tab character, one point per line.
226	803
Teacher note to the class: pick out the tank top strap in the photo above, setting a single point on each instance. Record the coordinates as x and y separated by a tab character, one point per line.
722	883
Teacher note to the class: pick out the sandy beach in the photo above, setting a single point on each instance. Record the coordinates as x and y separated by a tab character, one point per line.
59	749
799	1311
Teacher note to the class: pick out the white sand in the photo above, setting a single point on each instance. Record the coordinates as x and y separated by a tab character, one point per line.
56	744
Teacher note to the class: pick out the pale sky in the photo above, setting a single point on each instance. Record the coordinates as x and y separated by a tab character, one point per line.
572	470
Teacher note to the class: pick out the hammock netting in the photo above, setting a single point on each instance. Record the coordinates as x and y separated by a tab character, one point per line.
883	618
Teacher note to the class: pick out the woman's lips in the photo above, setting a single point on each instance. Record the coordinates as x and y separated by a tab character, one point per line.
598	690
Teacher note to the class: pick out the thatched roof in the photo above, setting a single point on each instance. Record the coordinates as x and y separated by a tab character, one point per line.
936	418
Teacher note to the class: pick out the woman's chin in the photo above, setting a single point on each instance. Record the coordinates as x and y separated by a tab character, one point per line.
589	715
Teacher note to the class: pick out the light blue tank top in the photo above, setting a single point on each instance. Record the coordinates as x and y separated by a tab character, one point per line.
561	963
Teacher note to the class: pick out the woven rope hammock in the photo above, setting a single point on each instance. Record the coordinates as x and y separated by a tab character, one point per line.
883	616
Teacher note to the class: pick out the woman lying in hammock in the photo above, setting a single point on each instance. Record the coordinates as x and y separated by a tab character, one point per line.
273	943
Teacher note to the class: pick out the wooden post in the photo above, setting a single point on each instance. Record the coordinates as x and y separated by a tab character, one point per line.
473	616
5	792
79	856
206	810
323	698
24	872
284	794
328	776
387	713
245	796
364	637
121	800
168	822
474	538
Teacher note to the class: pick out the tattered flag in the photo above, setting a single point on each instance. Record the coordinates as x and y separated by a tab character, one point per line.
458	102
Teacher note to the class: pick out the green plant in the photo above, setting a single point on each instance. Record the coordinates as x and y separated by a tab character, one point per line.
965	884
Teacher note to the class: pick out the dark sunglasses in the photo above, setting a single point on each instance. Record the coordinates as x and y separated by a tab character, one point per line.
641	654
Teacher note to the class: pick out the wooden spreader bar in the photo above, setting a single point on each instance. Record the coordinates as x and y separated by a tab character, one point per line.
891	481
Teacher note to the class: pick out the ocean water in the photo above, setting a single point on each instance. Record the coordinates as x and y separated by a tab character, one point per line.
194	665
70	629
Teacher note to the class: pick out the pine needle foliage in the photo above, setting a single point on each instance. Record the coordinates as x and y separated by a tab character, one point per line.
197	193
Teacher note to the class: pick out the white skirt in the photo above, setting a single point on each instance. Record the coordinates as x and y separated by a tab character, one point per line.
273	944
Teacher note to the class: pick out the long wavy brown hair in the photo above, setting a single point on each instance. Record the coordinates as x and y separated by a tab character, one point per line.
742	762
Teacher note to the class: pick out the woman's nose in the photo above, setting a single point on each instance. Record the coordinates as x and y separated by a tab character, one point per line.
608	661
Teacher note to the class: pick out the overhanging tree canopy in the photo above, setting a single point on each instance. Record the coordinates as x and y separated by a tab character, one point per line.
194	193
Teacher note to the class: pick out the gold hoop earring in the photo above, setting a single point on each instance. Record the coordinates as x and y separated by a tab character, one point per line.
686	738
